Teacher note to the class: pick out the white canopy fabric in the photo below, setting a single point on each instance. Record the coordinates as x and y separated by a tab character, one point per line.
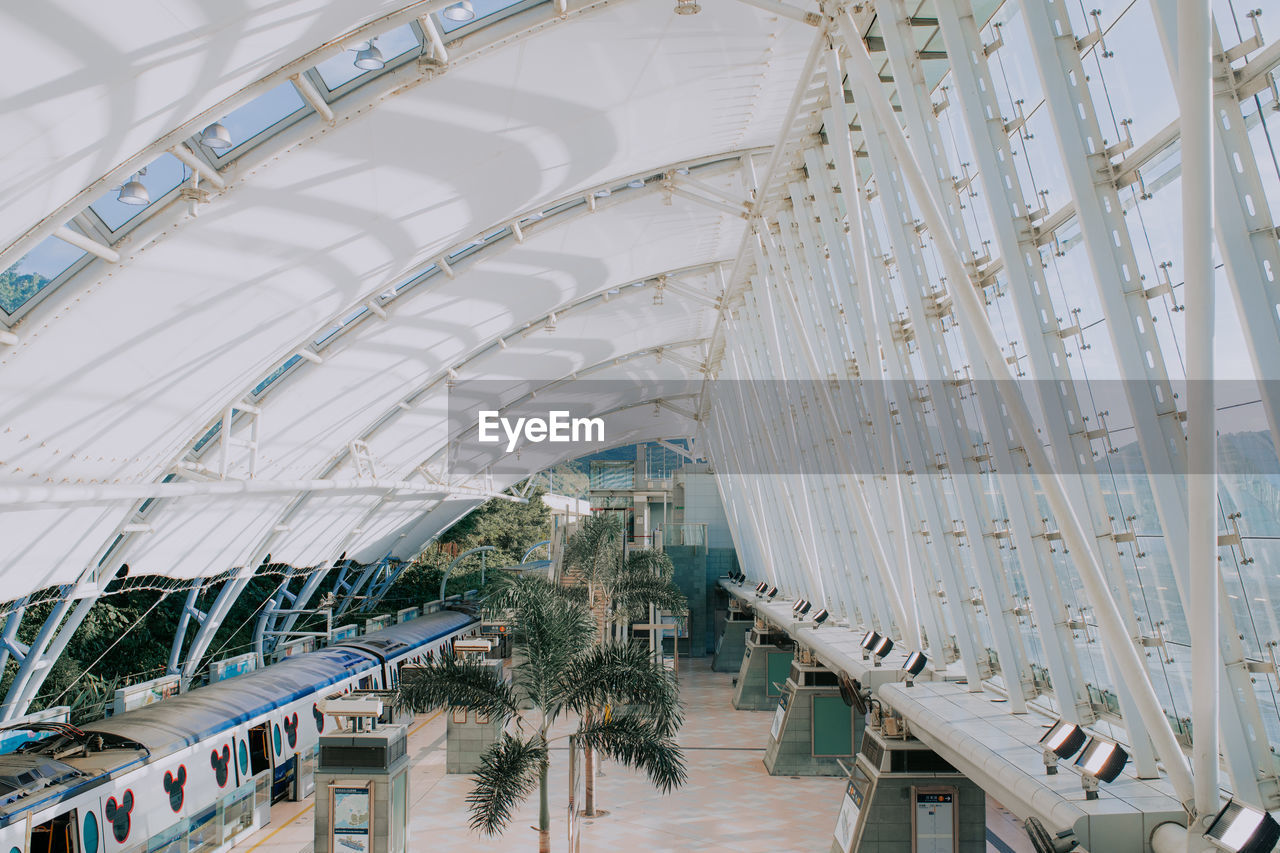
124	367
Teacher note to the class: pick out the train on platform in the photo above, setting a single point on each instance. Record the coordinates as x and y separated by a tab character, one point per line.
194	773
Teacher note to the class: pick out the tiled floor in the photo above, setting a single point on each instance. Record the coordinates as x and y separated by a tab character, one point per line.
729	803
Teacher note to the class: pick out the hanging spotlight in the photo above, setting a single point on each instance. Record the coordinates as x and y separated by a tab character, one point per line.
869	639
916	662
1063	740
461	12
761	587
881	649
773	590
820	617
370	59
795	608
804	610
216	136
1242	829
133	192
1101	761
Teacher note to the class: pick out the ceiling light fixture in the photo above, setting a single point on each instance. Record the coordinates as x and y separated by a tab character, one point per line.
1101	761
370	59
1063	740
877	645
1242	829
914	665
216	136
133	192
461	12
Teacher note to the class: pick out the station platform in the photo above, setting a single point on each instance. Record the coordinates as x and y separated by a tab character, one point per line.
730	802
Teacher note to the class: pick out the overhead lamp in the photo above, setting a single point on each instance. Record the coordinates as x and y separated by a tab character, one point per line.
1063	740
881	648
216	136
869	639
820	617
761	588
804	610
133	192
915	664
773	591
461	12
795	608
1101	761
370	59
1242	829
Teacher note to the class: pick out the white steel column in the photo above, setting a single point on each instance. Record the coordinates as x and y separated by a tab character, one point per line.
1077	539
1196	124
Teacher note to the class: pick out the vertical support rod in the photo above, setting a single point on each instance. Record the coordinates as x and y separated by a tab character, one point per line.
1196	126
1077	539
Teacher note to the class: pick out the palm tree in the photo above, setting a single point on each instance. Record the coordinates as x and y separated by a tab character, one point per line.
626	587
594	552
558	669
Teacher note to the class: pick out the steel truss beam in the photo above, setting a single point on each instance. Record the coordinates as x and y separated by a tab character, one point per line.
971	310
1157	420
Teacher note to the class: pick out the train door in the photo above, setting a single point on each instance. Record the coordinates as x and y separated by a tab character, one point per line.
261	771
56	836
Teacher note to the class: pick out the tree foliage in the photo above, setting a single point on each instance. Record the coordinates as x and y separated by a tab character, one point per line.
558	668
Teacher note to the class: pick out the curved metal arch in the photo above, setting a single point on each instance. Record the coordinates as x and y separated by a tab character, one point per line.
728	161
712	165
390	82
577	374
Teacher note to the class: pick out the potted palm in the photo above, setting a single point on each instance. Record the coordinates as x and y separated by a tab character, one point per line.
559	670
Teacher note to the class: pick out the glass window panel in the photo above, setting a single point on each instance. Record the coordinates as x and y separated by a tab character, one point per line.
34	270
275	374
340	70
263	112
483	9
164	174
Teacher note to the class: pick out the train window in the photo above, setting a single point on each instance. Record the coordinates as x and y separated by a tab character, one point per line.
259	749
56	836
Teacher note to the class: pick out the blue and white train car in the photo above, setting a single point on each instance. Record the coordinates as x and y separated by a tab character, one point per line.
193	773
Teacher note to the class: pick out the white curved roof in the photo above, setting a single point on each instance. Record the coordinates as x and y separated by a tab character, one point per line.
124	366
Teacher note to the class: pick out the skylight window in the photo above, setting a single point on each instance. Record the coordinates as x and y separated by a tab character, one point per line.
393	44
269	109
163	176
34	271
483	9
276	374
